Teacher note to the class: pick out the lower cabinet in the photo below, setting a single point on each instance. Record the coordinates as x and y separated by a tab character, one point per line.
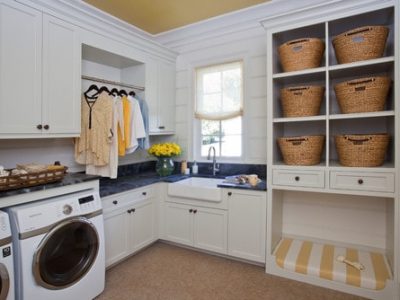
247	224
129	227
204	228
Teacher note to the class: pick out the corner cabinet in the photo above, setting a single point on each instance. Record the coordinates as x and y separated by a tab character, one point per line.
351	209
160	96
39	74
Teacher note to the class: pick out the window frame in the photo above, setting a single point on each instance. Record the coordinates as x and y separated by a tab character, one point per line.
197	135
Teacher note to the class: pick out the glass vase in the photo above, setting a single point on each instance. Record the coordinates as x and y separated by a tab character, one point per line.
164	166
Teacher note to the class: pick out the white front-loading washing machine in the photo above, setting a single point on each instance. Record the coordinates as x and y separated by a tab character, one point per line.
59	247
6	259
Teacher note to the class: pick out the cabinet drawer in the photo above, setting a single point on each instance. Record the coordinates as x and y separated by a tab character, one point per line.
373	182
315	179
126	198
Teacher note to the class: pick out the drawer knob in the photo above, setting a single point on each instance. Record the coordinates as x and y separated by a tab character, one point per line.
129	211
195	211
144	193
115	202
190	210
297	178
134	209
360	181
161	127
229	193
47	127
39	126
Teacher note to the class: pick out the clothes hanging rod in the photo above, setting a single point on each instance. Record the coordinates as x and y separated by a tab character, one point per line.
121	84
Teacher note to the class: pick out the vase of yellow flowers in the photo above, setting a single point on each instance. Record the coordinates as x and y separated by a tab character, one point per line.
164	153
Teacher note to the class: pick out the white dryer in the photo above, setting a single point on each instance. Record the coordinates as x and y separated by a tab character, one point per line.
59	247
6	259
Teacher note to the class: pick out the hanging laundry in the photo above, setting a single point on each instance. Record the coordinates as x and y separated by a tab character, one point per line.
144	143
111	170
93	145
137	125
124	139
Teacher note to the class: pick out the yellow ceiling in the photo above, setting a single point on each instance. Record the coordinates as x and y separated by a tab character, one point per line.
155	16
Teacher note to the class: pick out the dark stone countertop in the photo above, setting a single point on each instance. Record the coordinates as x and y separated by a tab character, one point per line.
124	183
69	179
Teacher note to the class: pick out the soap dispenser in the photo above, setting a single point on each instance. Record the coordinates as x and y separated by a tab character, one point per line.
195	168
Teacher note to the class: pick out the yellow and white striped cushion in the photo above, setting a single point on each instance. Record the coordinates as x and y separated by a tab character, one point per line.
320	260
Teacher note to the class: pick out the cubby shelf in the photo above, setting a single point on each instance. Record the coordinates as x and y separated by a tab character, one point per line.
388	113
362	63
299	119
299	73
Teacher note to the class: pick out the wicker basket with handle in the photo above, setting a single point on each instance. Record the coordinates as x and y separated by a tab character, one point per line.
32	179
362	150
363	95
301	54
361	43
302	150
301	101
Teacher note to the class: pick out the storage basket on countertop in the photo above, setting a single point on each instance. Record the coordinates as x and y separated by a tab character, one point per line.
302	150
362	150
363	95
301	101
361	43
301	54
12	182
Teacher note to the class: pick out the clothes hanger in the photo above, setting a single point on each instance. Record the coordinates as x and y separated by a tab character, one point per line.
132	93
123	93
104	89
114	92
93	87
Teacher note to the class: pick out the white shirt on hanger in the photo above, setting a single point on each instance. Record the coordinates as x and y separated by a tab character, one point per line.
111	170
137	125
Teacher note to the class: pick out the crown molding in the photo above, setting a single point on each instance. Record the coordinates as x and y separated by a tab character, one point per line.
90	18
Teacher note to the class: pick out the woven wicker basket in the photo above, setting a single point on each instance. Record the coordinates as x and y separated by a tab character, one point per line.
301	54
363	95
31	179
301	101
302	150
360	44
362	150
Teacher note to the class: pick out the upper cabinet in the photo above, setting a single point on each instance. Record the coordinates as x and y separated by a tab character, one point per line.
160	96
39	74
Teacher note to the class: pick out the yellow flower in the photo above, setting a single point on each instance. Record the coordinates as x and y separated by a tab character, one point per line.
165	149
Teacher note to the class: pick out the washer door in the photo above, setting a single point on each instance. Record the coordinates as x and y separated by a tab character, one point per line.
4	282
66	253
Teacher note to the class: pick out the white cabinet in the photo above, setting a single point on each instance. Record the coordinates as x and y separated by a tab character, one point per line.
129	223
20	68
160	96
195	226
247	224
39	74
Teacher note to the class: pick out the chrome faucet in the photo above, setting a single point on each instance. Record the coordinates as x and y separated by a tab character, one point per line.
215	166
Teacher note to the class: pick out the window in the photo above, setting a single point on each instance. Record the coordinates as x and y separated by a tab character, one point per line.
219	109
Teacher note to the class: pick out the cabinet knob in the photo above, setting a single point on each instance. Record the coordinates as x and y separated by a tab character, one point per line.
39	126
134	209
190	210
161	127
129	211
229	193
195	211
115	202
297	178
46	127
360	181
144	193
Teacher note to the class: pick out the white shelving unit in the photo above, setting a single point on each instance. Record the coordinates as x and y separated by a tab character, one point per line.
347	208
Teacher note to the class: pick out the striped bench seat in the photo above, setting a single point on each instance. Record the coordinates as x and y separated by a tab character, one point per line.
317	259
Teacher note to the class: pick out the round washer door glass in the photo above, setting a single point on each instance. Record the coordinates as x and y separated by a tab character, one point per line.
66	253
4	282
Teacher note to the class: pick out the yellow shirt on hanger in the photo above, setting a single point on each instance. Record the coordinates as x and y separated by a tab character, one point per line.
124	140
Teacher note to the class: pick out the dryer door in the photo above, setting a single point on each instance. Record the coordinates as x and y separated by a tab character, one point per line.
4	282
66	253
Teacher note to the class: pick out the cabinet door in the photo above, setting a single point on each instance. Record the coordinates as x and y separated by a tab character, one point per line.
178	224
166	97
20	68
142	225
247	226
210	229
61	77
152	94
116	234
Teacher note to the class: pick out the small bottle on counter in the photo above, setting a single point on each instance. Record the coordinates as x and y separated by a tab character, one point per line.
195	168
183	166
